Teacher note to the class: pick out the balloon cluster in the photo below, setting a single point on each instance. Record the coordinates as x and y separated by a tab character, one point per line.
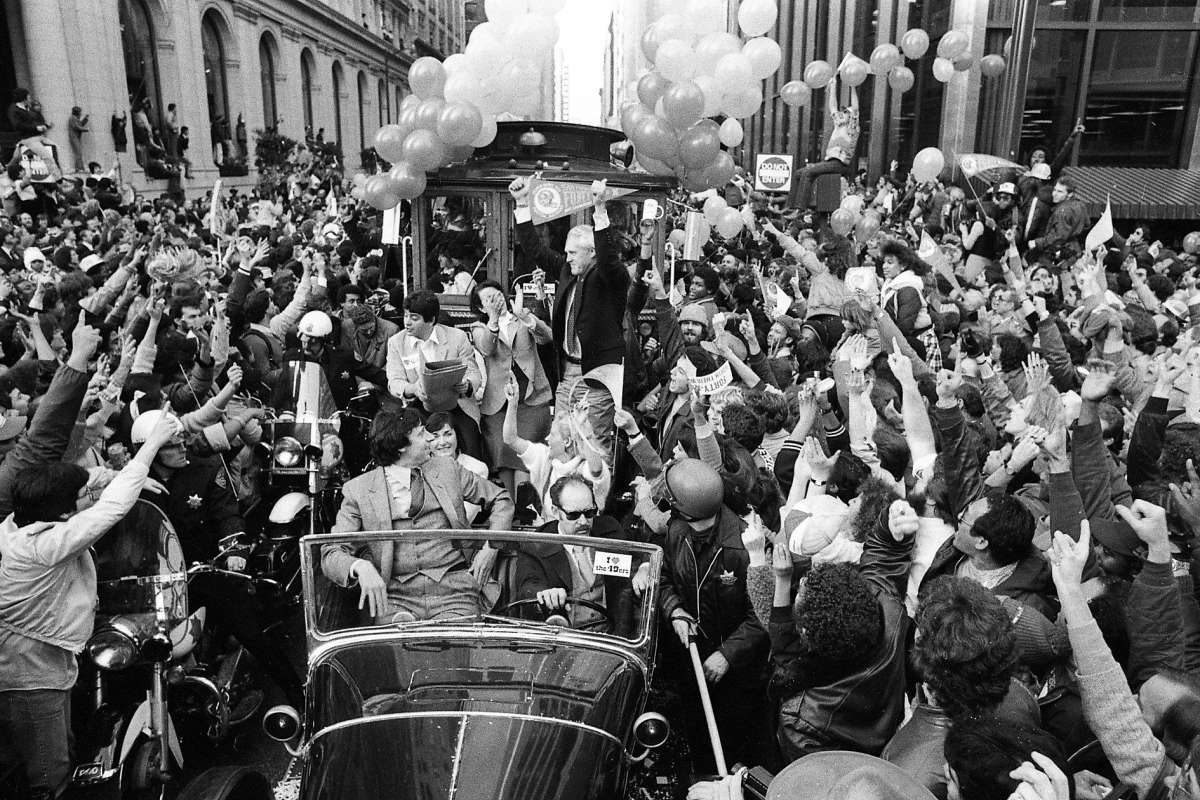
851	216
455	103
888	60
700	71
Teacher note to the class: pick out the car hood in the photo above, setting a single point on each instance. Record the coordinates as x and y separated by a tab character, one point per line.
462	755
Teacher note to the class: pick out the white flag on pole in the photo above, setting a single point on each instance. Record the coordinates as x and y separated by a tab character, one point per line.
1102	231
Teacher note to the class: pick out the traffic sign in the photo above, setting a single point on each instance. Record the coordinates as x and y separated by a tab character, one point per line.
773	173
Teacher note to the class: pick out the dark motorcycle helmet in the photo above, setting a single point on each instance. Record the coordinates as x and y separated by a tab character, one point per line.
691	489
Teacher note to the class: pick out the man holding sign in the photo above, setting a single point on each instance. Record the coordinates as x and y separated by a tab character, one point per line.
589	304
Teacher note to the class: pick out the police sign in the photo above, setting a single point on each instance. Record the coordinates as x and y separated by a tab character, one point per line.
773	173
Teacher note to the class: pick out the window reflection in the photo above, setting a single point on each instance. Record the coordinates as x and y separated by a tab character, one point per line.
455	237
1140	82
1053	90
1147	10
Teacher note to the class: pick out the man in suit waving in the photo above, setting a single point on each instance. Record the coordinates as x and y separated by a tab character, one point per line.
589	303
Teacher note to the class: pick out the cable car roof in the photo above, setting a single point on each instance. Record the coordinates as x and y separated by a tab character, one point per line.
560	150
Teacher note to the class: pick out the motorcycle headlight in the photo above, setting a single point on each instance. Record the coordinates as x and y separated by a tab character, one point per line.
112	649
288	452
125	640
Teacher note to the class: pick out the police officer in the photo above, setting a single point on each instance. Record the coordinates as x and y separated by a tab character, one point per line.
702	592
341	366
203	509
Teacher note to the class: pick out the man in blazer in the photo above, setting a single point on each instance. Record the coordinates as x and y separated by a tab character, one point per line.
544	571
423	340
409	578
589	303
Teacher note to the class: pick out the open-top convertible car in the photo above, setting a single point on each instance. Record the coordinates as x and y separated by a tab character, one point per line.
498	695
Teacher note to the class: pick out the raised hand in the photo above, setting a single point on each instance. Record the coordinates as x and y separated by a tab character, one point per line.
519	189
625	421
1099	380
820	465
1149	522
1037	373
902	520
1186	499
900	365
1067	558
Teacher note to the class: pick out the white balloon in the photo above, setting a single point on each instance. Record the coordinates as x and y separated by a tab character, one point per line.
486	52
535	33
675	60
463	87
674	26
547	7
765	56
712	94
743	102
503	13
733	72
756	17
487	133
711	48
705	16
458	62
731	133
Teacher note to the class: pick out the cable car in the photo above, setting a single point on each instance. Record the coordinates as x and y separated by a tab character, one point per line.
462	227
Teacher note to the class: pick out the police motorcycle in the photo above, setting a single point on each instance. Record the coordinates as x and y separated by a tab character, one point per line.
306	464
145	633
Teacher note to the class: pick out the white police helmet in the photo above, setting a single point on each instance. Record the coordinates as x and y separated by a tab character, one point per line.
316	324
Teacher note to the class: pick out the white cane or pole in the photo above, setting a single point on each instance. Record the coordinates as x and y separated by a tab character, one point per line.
405	243
670	251
713	734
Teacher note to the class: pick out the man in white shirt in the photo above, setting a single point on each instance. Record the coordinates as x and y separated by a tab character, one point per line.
422	341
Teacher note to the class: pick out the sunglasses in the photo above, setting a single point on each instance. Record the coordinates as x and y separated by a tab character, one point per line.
587	513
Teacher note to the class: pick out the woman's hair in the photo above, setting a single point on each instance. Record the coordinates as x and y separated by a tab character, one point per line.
437	421
477	305
854	314
905	255
1013	352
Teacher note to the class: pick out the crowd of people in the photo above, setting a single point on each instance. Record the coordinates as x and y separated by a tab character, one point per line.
929	497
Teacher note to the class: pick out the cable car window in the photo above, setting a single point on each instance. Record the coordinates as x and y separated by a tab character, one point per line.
456	236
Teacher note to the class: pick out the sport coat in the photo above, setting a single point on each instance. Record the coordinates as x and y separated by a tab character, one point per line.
366	506
452	345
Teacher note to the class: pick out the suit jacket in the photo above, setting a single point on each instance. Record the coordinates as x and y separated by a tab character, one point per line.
453	345
601	314
9	262
366	506
547	566
498	360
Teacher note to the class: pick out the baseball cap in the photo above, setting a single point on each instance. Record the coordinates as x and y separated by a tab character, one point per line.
12	427
1007	188
91	262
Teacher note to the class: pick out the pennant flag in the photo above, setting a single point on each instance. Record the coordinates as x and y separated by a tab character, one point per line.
695	235
986	167
549	200
610	377
931	254
214	209
1102	231
391	225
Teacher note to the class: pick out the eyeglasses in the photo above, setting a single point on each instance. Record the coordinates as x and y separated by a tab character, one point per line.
587	513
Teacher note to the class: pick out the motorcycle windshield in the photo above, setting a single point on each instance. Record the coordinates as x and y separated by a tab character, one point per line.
140	568
309	403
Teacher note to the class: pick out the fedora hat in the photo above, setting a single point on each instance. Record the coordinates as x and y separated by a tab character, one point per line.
845	775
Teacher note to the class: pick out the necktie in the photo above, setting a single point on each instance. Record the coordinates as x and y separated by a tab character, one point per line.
572	311
416	493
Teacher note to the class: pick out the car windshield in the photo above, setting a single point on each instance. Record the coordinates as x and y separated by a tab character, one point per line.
542	583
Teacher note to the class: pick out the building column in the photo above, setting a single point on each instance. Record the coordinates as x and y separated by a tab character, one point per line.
51	78
960	107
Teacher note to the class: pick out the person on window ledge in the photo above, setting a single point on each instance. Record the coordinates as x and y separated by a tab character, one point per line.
589	304
839	153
